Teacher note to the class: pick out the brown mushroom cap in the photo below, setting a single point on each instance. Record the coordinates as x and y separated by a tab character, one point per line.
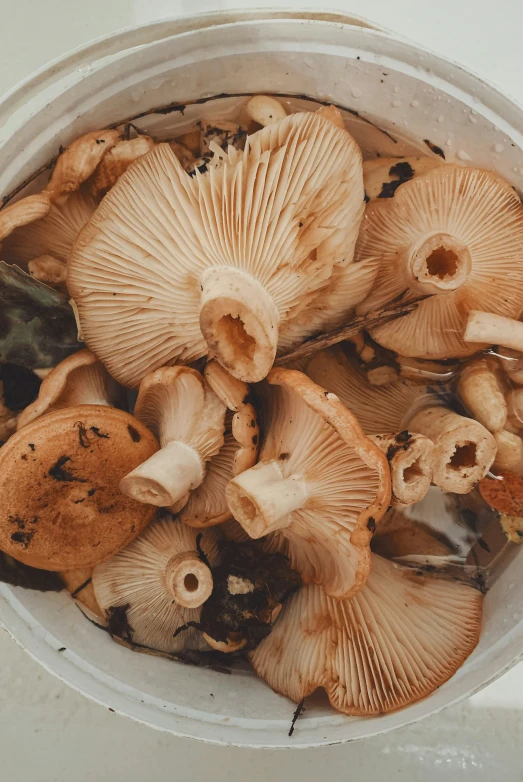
60	506
80	379
320	483
457	233
162	580
394	643
219	262
177	404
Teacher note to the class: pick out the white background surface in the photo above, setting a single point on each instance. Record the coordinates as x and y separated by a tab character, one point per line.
50	733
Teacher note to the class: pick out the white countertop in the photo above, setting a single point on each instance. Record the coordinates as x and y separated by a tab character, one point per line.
50	733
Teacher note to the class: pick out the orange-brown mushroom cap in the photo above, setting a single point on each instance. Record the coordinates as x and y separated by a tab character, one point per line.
401	637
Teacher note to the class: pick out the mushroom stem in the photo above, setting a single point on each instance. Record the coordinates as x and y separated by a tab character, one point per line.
480	387
509	455
411	460
261	499
437	263
166	476
188	579
463	449
490	329
239	321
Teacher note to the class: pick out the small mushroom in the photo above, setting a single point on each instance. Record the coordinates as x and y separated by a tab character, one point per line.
189	420
79	160
79	584
464	450
487	328
392	644
80	379
116	162
60	507
483	392
265	110
320	483
411	461
23	212
383	176
161	581
456	236
230	269
207	505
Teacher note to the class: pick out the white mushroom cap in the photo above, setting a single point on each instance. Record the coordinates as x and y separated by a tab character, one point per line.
207	505
216	263
177	405
394	643
320	483
162	580
80	379
454	232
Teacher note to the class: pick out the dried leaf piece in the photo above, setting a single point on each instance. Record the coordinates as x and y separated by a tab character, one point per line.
37	325
394	643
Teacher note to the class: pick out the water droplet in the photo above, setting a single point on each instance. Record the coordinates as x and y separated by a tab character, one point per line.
463	155
356	92
521	170
414	103
473	119
499	147
441	118
396	103
396	89
449	142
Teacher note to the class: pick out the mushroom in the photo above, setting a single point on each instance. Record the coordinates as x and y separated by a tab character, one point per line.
23	212
79	160
80	379
504	493
383	176
207	505
189	420
161	581
509	452
79	584
49	270
392	644
483	392
60	507
116	162
454	235
320	483
265	110
488	328
411	462
464	449
171	268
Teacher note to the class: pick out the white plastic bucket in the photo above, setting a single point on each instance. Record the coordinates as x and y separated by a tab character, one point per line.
402	89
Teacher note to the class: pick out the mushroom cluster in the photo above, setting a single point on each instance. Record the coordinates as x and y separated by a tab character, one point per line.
289	355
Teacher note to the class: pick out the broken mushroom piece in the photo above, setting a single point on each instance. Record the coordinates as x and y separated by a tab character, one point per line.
80	379
207	505
320	483
455	235
60	506
189	420
79	584
23	212
160	581
392	644
231	255
383	176
482	390
411	461
463	449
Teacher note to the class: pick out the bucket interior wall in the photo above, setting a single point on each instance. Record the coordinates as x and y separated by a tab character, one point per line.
388	86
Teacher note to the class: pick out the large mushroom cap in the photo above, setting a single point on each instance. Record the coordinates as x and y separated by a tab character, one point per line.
162	581
80	379
60	506
219	262
456	234
207	505
189	420
320	483
394	643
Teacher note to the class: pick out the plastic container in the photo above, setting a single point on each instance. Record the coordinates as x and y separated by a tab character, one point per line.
402	90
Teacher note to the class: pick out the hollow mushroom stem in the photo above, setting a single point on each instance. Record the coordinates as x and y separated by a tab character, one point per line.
166	476
239	321
437	263
261	499
411	460
490	329
188	579
463	449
